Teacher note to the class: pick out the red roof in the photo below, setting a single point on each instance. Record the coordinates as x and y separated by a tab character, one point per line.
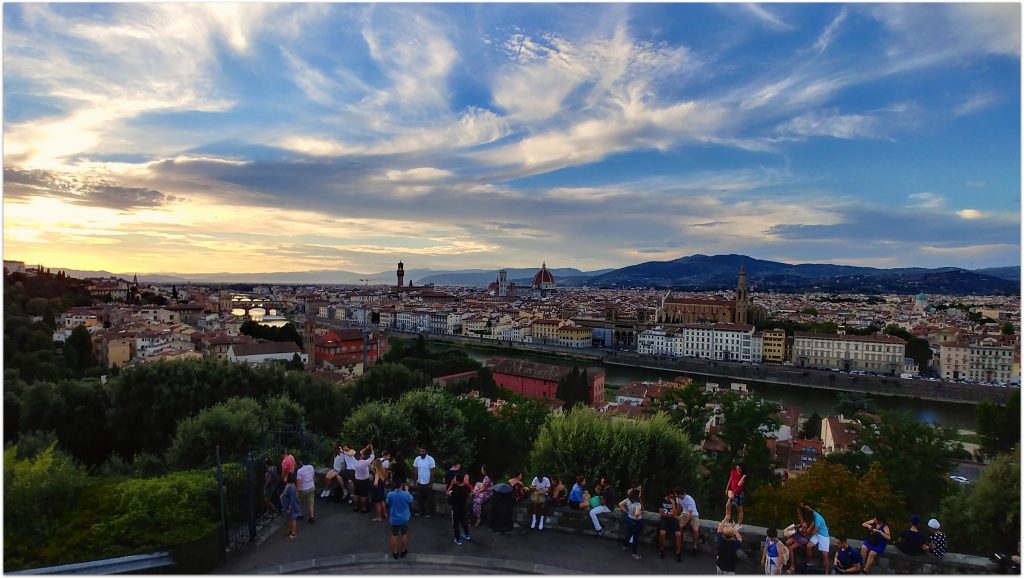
851	338
699	302
543	276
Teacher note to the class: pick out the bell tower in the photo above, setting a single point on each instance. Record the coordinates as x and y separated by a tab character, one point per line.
401	274
742	298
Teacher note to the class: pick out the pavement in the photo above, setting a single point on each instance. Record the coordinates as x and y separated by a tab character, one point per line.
345	542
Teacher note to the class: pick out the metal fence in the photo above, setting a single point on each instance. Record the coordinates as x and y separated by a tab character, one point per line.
246	504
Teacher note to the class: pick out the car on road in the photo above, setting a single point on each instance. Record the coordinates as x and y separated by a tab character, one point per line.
959	479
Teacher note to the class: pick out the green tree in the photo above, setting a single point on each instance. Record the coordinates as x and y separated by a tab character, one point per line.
384	424
295	363
236	425
998	426
567	390
809	311
651	452
687	406
78	350
984	517
917	348
438	424
36	306
1008	329
812	427
850	403
388	382
747	423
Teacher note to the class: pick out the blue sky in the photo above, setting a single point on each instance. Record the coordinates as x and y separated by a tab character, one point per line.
261	137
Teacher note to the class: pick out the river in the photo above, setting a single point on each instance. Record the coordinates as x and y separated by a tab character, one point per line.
808	400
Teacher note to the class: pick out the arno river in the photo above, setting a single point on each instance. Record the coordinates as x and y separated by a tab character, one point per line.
806	399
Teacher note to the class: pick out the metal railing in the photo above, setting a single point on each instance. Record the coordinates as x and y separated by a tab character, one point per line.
130	564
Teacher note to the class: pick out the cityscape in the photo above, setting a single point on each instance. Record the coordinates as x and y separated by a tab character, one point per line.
563	274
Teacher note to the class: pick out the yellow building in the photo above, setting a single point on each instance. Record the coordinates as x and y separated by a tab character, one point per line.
575	336
546	331
773	345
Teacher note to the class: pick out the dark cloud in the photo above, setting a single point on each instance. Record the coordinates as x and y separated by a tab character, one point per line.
23	184
709	224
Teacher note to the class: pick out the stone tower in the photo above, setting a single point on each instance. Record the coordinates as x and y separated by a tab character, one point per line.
742	298
401	274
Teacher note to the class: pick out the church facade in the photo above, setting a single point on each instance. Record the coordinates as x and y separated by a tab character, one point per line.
703	310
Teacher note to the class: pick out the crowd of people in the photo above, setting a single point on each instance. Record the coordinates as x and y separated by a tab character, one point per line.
383	485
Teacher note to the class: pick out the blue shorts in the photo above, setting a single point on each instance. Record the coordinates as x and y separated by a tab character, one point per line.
737	499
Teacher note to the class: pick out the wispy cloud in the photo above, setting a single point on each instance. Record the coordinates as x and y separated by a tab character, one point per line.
830	32
975	103
767	17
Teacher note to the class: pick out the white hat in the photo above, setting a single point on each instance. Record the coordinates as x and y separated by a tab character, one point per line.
933	523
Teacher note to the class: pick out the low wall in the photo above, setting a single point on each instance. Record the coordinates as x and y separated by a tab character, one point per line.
892	561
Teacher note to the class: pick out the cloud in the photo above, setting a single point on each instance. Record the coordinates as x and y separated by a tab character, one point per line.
975	103
836	126
830	32
970	214
767	17
709	224
418	174
925	199
80	190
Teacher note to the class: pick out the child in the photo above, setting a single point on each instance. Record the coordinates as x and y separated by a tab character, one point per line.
290	504
774	555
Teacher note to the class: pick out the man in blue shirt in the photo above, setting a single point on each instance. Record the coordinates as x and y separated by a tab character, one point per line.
576	499
399	503
847	560
818	536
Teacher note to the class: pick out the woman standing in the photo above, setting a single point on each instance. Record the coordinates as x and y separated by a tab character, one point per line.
290	504
482	491
874	545
634	519
379	491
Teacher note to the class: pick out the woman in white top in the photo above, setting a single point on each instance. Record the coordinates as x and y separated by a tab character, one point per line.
634	510
541	487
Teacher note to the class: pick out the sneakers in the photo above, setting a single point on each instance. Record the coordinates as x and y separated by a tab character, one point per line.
635	556
325	494
600	532
395	555
467	538
456	541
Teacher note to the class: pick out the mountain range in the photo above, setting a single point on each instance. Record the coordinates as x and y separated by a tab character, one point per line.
695	272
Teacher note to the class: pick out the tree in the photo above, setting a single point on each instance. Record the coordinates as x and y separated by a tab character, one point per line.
236	426
809	311
915	457
295	363
748	421
388	382
984	517
1008	329
78	350
850	403
174	292
687	406
651	452
439	426
998	426
812	427
382	423
844	499
917	348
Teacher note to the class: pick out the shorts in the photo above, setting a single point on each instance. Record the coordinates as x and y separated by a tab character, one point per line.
800	539
348	474
821	542
399	530
362	487
693	524
669	525
879	548
737	499
306	498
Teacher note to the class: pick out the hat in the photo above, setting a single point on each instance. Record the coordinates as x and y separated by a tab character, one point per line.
915	520
933	523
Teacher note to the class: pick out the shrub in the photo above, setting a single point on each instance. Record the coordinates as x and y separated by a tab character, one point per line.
439	426
384	424
236	426
651	452
985	517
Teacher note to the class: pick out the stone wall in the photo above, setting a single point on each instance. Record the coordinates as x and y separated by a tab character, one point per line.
573	521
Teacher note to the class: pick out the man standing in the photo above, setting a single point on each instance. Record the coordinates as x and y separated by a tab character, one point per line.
362	476
454	473
734	494
348	475
305	482
669	523
287	466
399	502
458	495
689	518
424	465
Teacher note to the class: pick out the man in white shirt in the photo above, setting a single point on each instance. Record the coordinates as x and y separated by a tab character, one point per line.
334	475
305	483
348	476
424	465
541	489
689	518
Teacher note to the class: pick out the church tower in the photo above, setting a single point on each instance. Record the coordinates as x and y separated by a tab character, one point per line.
742	299
401	274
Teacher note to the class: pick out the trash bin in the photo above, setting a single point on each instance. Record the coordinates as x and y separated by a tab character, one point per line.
502	502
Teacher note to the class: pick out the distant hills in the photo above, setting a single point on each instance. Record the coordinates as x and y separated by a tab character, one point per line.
715	272
694	272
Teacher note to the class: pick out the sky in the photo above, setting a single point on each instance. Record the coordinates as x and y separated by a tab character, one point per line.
290	137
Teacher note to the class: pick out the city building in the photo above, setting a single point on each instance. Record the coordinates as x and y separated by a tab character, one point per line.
773	345
954	361
543	280
540	380
709	341
545	331
991	361
849	352
686	310
837	434
264	353
572	336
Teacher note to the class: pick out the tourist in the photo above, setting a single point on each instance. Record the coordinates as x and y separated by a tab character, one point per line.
936	545
689	518
333	477
911	541
669	523
271	482
577	500
399	503
482	492
818	532
379	490
559	494
729	543
518	489
797	537
734	494
774	555
363	482
385	460
598	506
290	505
458	494
634	510
847	559
348	476
287	466
454	473
541	487
877	539
424	465
398	470
305	479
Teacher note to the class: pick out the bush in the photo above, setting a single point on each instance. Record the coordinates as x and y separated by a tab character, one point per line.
439	426
384	424
985	517
237	426
836	493
651	452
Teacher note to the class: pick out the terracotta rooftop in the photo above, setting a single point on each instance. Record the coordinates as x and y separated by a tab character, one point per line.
851	338
265	349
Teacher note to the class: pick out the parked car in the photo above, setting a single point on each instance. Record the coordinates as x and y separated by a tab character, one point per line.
959	479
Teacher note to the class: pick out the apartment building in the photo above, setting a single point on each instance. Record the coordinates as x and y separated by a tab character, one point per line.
849	352
954	361
773	345
573	336
991	361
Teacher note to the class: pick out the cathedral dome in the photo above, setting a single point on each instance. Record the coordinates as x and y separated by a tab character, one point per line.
543	278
